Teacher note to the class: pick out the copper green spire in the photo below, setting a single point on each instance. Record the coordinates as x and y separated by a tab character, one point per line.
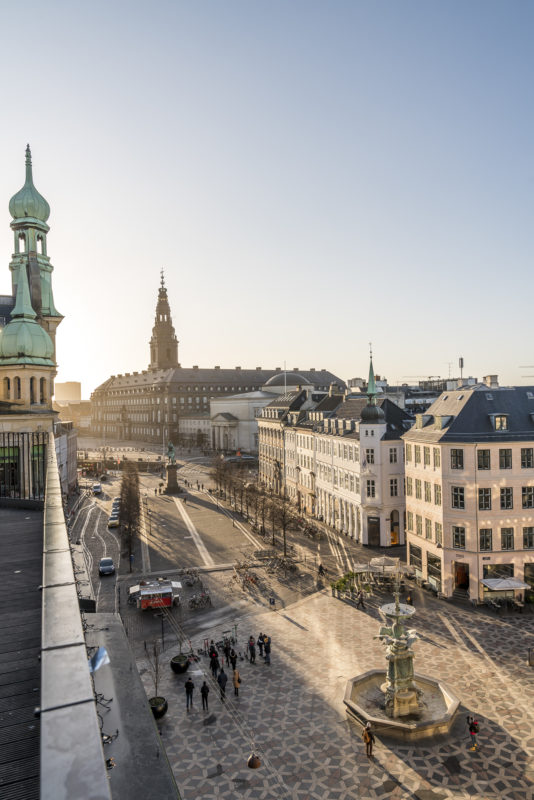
371	383
28	202
23	307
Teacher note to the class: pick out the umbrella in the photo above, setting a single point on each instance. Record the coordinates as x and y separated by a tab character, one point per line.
384	561
504	584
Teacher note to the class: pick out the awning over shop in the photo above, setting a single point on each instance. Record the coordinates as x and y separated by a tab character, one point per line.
504	584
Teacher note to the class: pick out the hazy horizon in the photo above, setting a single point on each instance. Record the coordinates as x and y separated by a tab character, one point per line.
310	176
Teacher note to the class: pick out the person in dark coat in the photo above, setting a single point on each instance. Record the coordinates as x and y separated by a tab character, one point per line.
227	649
233	658
221	680
267	647
204	691
260	644
189	686
214	664
252	650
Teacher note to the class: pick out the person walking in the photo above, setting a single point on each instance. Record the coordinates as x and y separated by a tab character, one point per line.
233	658
204	691
237	681
214	664
473	730
260	644
369	739
360	597
189	687
252	650
226	651
267	648
221	680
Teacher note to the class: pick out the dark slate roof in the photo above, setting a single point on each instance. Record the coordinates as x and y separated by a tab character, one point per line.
232	377
465	415
288	401
21	546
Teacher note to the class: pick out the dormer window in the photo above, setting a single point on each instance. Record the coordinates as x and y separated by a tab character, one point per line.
500	422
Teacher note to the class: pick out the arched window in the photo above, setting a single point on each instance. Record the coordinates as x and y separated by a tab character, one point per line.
22	243
40	245
32	390
7	388
42	390
17	388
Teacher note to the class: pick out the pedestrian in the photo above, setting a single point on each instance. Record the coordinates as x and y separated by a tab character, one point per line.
226	651
473	730
233	658
359	597
221	680
214	664
369	739
185	499
260	644
321	570
237	681
189	687
204	691
252	650
155	490
267	648
213	649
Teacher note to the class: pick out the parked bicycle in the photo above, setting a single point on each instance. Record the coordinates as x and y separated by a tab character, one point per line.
200	600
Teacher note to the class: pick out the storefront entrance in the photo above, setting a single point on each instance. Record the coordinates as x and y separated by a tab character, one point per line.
461	575
394	527
373	531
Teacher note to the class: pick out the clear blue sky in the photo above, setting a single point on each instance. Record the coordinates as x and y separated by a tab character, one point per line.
310	175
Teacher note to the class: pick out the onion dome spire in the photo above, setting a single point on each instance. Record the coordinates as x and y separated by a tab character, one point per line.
27	202
371	412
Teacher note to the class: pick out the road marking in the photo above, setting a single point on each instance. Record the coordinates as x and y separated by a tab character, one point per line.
145	555
201	547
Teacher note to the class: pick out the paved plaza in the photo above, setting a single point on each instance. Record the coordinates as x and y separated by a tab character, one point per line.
292	711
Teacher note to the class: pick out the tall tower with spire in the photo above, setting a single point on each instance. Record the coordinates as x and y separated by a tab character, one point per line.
163	344
30	212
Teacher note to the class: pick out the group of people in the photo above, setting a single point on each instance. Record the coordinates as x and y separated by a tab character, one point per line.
264	646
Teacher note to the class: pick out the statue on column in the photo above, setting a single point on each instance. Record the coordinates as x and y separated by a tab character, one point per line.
171	455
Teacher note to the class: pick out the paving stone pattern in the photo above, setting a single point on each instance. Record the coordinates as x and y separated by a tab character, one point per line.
292	711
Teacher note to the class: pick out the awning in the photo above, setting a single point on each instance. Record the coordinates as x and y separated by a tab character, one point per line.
384	561
504	584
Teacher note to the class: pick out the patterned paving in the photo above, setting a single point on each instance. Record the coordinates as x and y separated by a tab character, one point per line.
292	711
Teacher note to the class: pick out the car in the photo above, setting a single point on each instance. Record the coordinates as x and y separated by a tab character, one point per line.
97	488
106	566
116	499
113	521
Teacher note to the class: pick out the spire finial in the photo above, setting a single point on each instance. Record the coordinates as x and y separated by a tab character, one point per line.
29	177
162	279
371	384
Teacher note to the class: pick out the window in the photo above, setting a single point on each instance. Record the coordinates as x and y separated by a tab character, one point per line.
392	455
438	530
485	539
528	538
417	454
426	456
507	497
527	496
458	537
428	528
418	488
370	455
483	459
437	494
393	487
428	492
409	487
458	497
505	459
409	520
501	422
437	457
484	499
370	488
408	456
457	459
507	538
418	525
527	458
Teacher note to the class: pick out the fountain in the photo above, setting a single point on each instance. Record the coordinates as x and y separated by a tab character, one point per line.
405	705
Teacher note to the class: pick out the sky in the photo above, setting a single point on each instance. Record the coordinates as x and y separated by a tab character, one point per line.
311	177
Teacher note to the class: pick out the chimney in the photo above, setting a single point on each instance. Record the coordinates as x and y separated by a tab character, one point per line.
491	381
258	368
238	369
216	366
195	366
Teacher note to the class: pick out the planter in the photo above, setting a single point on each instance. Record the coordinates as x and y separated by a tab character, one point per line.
159	706
179	664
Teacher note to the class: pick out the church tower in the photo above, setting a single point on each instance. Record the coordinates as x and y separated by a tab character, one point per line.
163	344
30	213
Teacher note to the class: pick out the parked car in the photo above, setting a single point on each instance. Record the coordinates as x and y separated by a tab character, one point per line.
113	521
106	566
97	488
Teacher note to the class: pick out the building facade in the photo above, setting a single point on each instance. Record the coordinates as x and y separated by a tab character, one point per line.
339	459
470	489
168	402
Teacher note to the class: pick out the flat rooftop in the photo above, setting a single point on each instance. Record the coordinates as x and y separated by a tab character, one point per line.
21	548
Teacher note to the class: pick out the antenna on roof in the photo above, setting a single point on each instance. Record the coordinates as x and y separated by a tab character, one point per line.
285	379
461	365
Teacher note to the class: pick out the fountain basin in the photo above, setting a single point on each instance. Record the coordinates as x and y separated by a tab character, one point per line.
364	700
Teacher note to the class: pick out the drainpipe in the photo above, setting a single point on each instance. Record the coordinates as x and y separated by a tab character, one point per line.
476	522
